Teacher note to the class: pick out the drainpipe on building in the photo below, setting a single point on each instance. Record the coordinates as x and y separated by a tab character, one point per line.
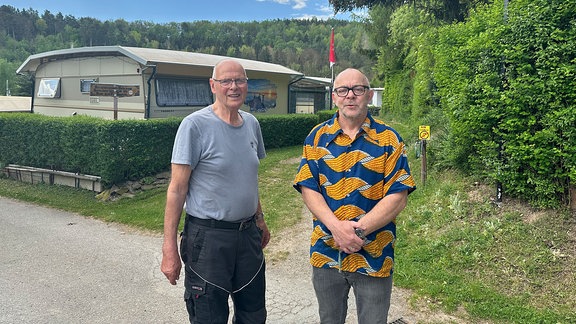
149	82
33	78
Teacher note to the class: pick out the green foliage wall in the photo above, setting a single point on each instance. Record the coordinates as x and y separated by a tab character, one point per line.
286	130
324	115
406	60
467	73
116	150
511	84
498	89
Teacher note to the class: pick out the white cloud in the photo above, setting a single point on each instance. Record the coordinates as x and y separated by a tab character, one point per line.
323	11
281	1
328	12
296	4
299	4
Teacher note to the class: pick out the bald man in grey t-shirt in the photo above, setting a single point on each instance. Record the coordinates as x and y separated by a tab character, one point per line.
215	160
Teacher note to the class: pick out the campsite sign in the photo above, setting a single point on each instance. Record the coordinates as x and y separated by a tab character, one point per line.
114	90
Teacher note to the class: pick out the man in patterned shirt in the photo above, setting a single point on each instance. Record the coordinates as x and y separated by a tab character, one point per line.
355	179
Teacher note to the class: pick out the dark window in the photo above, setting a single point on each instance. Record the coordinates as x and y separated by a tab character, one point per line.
85	85
183	92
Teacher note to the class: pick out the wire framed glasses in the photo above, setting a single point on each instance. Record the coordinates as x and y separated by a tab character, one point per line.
227	83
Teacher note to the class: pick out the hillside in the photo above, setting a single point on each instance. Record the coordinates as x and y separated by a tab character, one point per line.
301	45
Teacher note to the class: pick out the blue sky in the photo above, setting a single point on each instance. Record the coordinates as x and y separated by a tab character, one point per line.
164	11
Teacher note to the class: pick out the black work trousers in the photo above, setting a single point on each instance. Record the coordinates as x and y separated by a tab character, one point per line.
220	262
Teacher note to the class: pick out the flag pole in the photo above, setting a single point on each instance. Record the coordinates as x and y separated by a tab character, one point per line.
331	85
332	59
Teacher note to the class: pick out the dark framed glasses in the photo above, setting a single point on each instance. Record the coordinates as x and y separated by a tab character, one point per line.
357	90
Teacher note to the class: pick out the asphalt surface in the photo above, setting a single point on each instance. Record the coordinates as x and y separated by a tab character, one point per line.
59	267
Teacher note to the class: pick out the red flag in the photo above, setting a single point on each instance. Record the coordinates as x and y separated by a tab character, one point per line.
332	53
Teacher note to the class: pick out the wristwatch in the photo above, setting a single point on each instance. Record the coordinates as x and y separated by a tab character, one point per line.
360	233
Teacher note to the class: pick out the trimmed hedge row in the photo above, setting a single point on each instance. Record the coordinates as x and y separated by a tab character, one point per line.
116	150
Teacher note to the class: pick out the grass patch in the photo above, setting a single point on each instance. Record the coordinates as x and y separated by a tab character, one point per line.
280	201
144	211
457	250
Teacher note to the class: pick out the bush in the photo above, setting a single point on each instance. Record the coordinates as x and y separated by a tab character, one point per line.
507	88
116	150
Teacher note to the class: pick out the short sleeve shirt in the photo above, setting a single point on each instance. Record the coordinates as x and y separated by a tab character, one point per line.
224	161
353	175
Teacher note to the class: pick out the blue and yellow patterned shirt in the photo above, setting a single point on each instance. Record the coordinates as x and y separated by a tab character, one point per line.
353	175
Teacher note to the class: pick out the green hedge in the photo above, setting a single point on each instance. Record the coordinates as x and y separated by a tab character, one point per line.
508	90
286	130
115	150
324	115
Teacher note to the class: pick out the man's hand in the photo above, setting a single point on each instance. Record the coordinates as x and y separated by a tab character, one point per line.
171	265
345	237
261	223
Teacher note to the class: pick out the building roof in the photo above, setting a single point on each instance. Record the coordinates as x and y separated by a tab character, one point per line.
313	82
148	56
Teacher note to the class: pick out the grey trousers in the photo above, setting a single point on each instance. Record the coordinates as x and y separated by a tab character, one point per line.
332	287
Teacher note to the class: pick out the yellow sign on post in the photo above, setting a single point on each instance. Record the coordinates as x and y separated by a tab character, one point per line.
424	132
423	135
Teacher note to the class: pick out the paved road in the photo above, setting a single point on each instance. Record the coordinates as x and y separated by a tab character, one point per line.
59	267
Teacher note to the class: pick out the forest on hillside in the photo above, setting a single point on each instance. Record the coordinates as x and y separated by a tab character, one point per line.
302	45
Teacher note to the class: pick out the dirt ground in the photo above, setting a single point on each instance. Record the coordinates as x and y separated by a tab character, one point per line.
288	253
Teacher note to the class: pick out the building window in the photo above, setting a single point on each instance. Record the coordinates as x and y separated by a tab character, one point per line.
183	92
49	88
85	85
305	103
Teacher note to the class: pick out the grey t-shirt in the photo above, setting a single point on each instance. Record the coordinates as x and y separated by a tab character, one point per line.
224	161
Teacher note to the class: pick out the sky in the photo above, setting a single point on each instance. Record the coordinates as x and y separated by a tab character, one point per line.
165	11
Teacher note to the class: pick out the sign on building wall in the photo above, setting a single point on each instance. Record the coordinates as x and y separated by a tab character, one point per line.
114	90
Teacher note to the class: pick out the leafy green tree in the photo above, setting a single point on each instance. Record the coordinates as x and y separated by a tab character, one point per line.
445	10
405	59
508	89
247	52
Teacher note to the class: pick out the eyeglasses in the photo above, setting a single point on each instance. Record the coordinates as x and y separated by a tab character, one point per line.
358	90
228	82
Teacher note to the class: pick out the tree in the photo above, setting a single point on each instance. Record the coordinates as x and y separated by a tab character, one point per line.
445	10
350	5
508	90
